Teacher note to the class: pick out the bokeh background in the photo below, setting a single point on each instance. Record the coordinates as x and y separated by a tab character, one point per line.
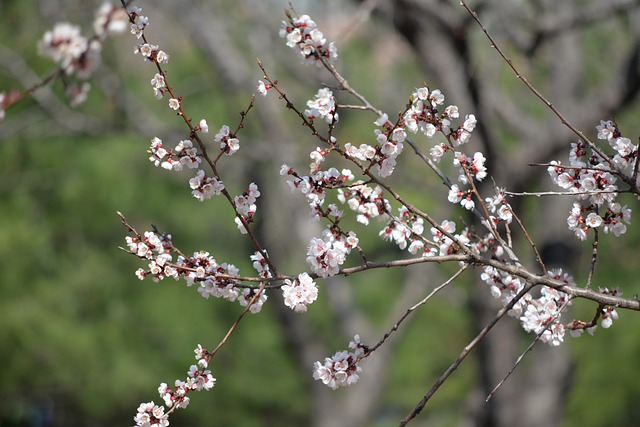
83	341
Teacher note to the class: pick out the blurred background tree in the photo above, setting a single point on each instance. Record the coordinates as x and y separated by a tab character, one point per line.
82	341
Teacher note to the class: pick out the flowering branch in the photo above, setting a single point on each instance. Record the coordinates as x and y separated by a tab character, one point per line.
508	278
538	299
76	57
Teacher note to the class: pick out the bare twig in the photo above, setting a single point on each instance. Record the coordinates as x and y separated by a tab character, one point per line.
527	350
594	258
411	309
465	352
537	93
531	243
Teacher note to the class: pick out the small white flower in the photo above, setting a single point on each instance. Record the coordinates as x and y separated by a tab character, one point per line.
262	88
593	220
204	127
174	103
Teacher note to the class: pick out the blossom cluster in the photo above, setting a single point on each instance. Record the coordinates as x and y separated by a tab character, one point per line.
148	51
217	280
322	106
423	116
366	201
213	279
442	244
613	220
245	205
303	36
382	155
202	186
313	186
474	166
593	180
229	144
608	313
406	228
73	52
625	151
66	46
325	255
153	53
157	250
77	55
342	369
140	22
198	378
184	154
498	205
542	315
299	293
539	315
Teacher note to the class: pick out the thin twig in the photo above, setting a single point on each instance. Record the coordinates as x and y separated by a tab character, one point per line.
527	350
537	93
465	352
411	309
235	324
594	258
530	240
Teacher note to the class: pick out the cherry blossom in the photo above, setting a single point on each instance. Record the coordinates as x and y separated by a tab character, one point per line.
301	34
140	21
203	126
325	255
247	295
229	144
322	106
343	368
498	204
299	293
608	314
64	44
591	177
263	87
149	414
261	264
366	201
204	187
174	104
109	19
158	84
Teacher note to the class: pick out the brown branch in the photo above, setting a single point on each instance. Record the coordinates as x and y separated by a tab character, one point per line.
520	271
